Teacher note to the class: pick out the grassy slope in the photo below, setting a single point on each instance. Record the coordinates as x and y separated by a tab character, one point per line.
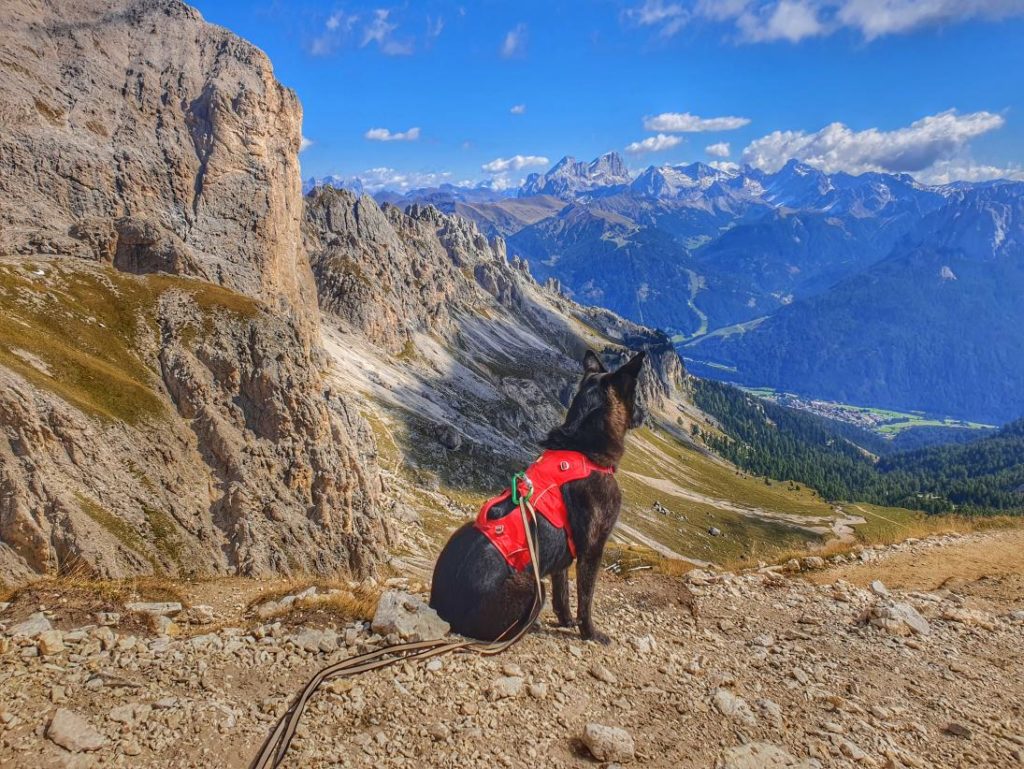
87	333
767	524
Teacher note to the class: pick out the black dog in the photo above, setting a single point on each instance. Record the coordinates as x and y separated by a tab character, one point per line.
478	592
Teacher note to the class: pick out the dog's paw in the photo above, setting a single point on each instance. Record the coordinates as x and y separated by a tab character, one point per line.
597	635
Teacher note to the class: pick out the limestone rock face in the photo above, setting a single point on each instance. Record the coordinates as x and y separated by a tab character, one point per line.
163	402
137	134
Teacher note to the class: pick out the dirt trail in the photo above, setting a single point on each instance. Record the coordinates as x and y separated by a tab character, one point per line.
990	557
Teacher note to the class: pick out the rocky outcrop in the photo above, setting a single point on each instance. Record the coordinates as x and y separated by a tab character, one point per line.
137	134
224	454
495	355
184	425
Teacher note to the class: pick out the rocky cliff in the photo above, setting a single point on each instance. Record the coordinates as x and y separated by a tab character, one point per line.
151	422
462	360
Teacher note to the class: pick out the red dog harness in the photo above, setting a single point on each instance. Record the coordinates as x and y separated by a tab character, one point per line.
547	475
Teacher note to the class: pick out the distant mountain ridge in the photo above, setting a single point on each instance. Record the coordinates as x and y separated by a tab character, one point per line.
742	266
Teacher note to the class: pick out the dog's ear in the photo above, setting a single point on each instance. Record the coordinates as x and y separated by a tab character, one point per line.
632	367
592	364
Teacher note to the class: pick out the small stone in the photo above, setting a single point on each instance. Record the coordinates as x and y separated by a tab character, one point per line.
164	626
601	673
878	588
122	714
760	755
731	706
50	642
538	690
608	743
714	531
4	606
438	731
813	563
511	669
72	732
507	687
164	608
792	566
958	730
105	636
108	618
409	616
131	747
30	628
200	614
644	644
968	617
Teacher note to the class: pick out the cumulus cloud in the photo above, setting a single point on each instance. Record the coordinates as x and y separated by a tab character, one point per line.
762	21
718	150
656	143
384	135
964	169
305	143
515	42
916	149
514	163
518	109
684	122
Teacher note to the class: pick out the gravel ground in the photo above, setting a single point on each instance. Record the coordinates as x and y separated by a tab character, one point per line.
812	667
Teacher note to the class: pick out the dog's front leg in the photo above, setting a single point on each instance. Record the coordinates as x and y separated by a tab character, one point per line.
560	598
587	570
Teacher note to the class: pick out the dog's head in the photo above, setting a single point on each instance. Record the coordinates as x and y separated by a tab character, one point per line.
602	409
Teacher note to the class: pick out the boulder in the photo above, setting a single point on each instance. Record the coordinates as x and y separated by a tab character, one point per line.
608	743
74	733
408	616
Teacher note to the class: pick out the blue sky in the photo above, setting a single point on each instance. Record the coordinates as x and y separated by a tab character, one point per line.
423	92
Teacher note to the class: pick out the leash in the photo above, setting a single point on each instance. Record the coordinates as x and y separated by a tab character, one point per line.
275	746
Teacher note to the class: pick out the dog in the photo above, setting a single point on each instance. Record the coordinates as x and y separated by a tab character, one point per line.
477	588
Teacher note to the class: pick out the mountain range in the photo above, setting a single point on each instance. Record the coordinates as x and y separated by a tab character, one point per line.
871	289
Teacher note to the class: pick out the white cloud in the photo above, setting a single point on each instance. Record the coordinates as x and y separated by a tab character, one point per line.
791	20
434	27
725	165
916	149
376	179
875	18
305	144
384	135
514	163
684	122
718	150
653	144
380	31
762	21
515	42
966	170
518	109
668	17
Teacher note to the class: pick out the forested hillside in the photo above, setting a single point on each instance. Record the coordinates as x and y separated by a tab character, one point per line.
985	475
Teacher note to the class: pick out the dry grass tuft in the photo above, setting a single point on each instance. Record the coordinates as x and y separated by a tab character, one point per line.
337	597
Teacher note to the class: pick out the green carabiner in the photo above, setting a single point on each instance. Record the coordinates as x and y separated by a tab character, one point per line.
516	498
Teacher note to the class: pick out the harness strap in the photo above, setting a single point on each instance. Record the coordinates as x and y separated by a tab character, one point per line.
275	747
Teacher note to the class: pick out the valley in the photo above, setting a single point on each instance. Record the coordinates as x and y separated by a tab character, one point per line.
851	289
